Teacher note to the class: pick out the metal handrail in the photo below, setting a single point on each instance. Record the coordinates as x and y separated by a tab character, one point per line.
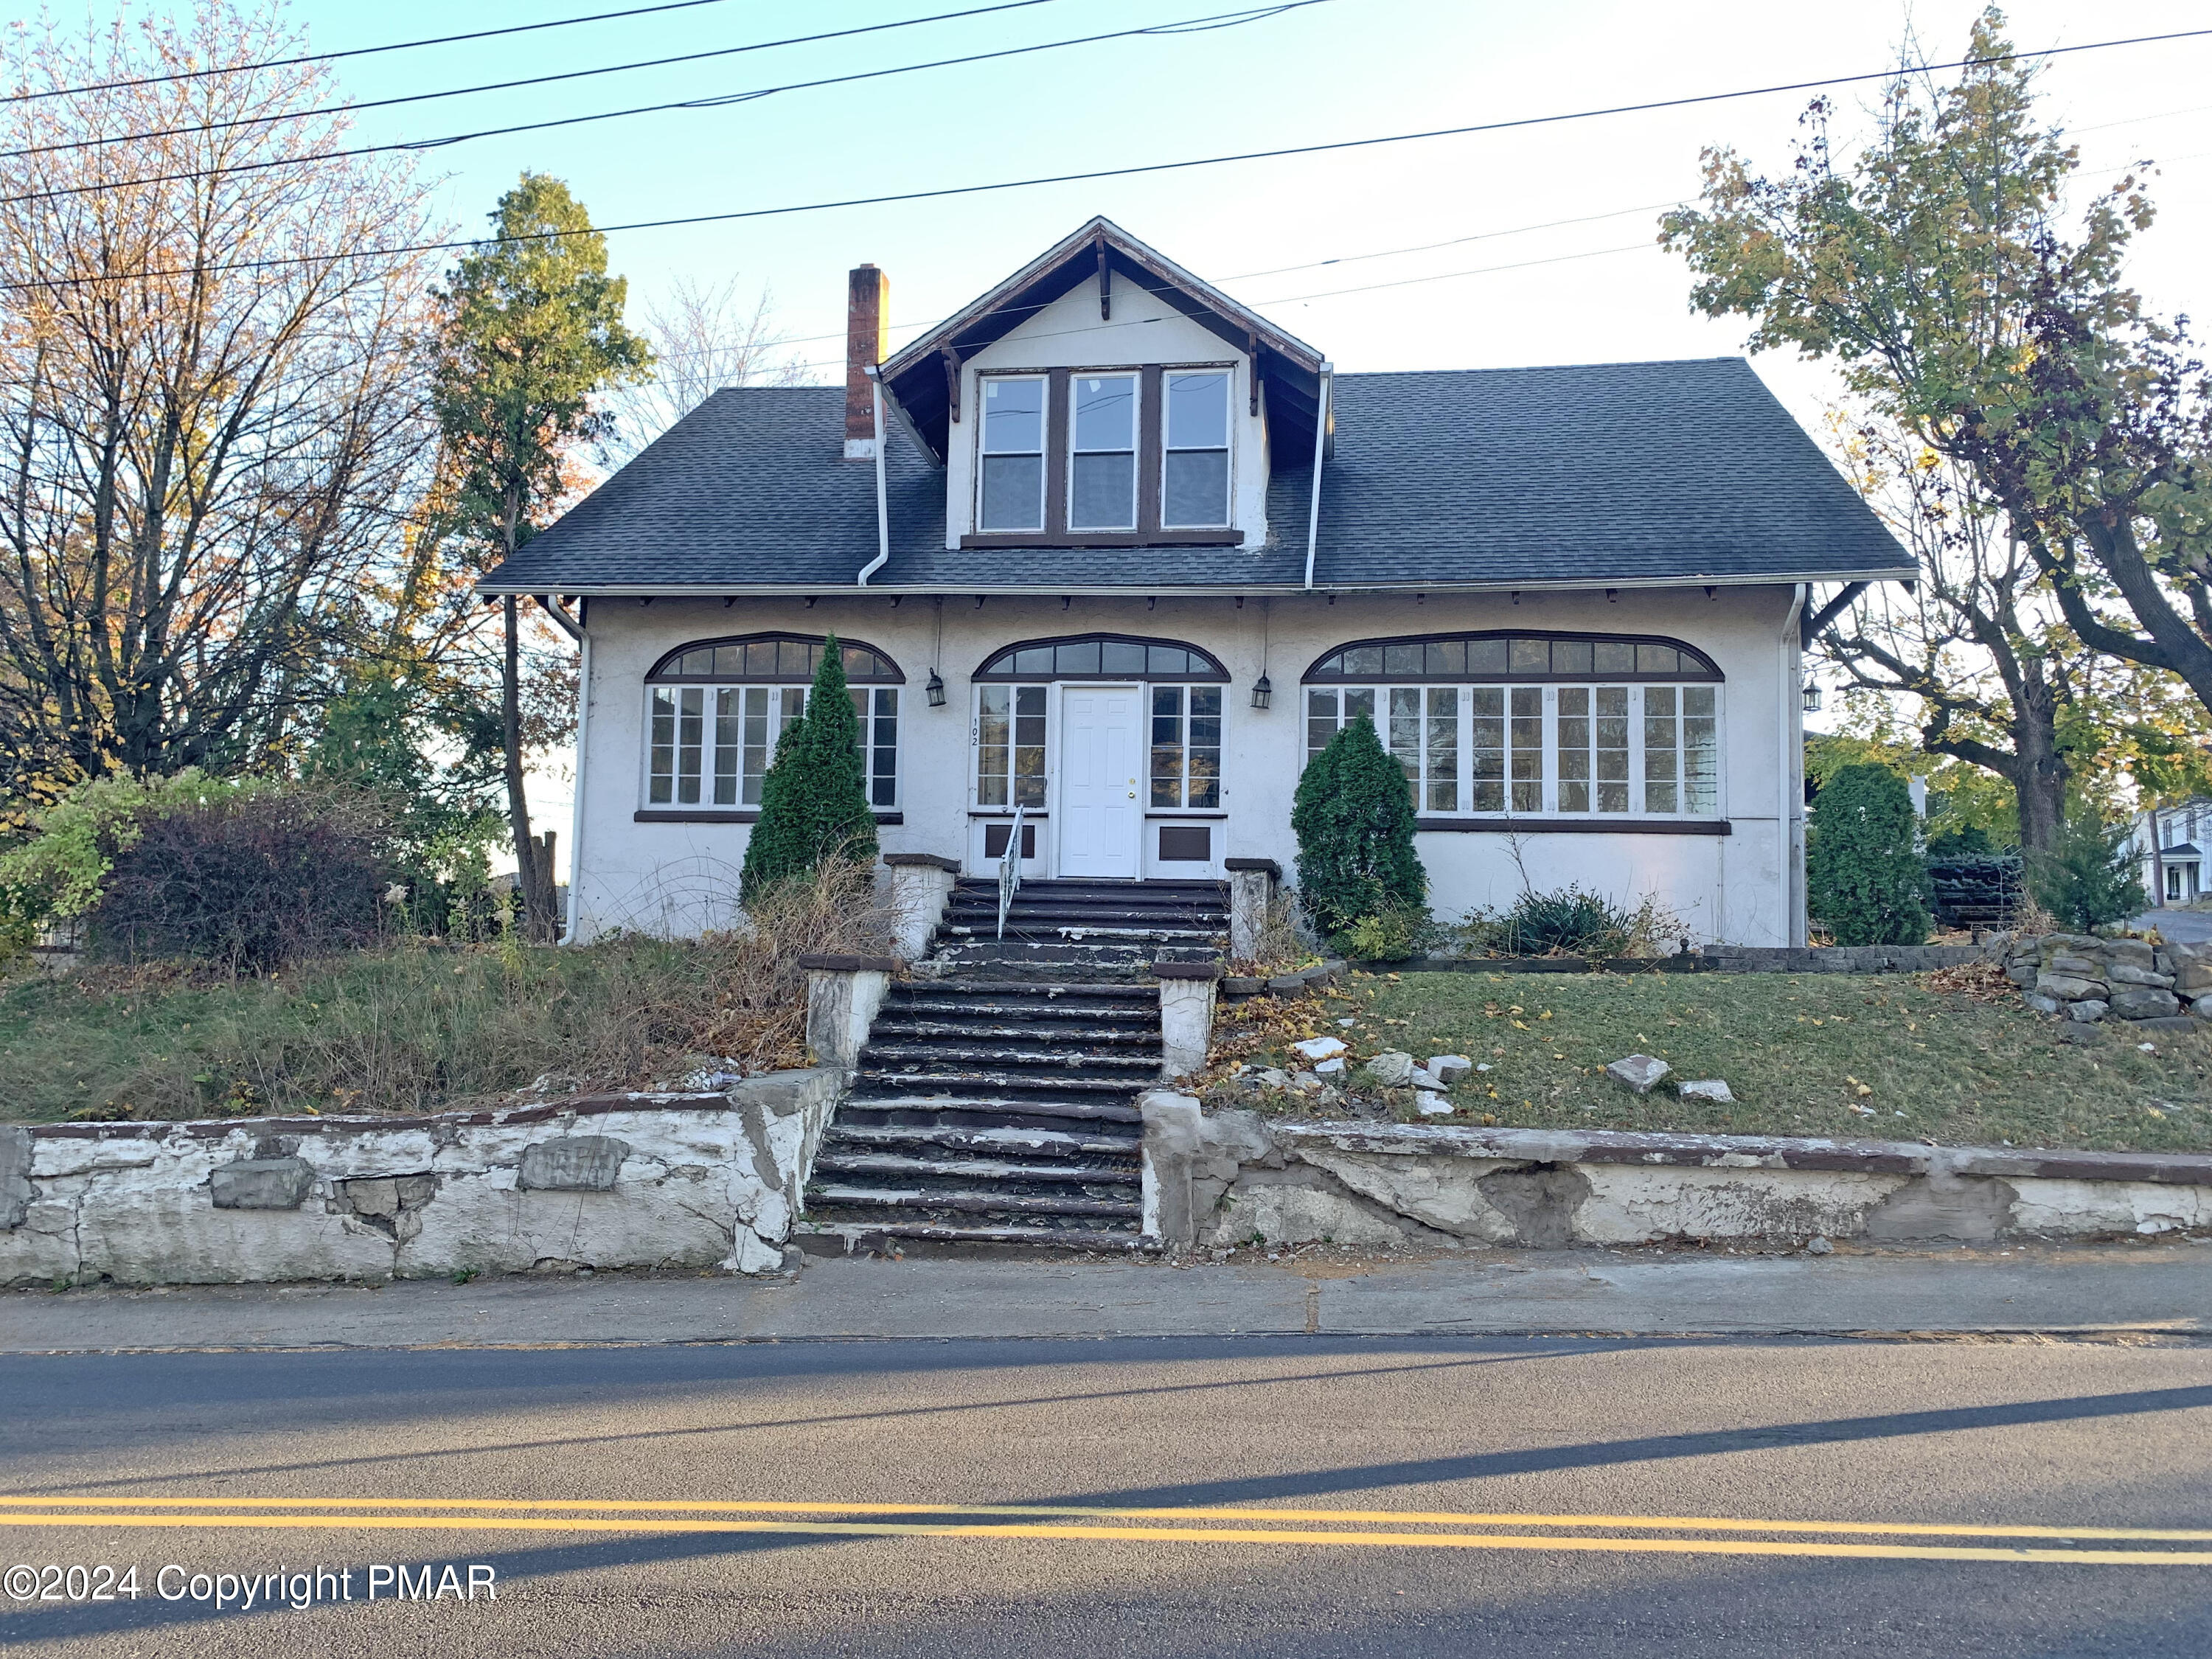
1010	871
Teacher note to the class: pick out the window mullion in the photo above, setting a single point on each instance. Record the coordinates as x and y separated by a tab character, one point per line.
1636	750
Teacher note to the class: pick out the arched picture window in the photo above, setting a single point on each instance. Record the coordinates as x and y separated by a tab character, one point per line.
1103	657
1529	724
1183	702
716	709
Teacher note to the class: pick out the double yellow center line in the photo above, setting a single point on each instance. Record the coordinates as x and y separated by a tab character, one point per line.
1344	1529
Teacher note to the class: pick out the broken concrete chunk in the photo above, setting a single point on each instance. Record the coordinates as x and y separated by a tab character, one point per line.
1320	1048
1432	1104
1638	1072
262	1183
1448	1069
1710	1088
1332	1067
572	1164
1392	1068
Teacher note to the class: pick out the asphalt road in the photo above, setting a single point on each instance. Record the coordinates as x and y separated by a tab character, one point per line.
1479	1437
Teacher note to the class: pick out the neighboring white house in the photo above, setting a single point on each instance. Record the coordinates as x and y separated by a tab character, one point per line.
2168	841
1110	546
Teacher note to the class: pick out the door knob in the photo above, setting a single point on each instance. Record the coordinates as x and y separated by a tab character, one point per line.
1132	794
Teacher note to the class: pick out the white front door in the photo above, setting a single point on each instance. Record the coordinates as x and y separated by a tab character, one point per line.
1101	819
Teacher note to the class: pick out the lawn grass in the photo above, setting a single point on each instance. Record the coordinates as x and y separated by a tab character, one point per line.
1799	1053
404	1030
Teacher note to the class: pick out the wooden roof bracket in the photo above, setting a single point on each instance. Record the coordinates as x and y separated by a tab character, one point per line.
1252	346
1817	620
1105	280
952	381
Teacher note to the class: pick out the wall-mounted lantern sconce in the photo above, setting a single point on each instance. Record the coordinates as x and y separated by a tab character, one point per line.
1812	697
1262	692
936	690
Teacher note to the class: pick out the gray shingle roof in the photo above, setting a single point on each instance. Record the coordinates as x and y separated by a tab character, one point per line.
1627	472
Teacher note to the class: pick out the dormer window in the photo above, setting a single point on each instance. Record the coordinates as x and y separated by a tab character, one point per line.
1135	456
1194	479
1102	493
1010	493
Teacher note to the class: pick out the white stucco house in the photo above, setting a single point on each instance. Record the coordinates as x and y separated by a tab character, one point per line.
1111	546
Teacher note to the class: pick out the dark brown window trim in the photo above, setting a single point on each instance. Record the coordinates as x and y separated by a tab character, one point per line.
1590	826
1030	814
1151	462
655	674
1711	675
1184	817
1220	677
723	815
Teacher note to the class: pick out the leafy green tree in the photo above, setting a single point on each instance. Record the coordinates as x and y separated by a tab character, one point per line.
1353	817
1936	268
814	799
531	336
2090	879
1863	877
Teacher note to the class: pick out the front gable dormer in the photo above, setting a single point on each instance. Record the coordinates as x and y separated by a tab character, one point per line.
1103	397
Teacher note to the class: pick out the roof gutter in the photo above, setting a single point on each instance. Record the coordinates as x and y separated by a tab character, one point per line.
1320	449
874	373
490	586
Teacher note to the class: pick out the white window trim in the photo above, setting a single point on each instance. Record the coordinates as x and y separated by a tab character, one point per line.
1465	770
1136	452
708	749
1168	371
1043	450
1220	749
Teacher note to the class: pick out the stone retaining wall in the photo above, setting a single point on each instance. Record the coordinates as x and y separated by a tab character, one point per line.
1716	959
1224	1178
662	1179
2088	980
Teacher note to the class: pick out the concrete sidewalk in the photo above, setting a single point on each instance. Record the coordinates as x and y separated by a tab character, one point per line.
2161	1286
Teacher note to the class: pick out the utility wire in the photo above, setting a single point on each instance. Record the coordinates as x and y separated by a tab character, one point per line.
528	80
1186	26
949	190
357	51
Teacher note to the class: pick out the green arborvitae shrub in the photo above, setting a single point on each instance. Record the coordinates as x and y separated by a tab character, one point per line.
814	802
1862	876
2090	877
1354	820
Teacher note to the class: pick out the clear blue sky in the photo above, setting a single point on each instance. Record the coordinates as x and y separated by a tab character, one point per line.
1343	68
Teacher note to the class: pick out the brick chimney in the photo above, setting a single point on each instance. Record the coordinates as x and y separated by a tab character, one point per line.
866	291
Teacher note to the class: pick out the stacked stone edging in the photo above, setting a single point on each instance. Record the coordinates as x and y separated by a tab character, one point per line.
2082	978
1712	960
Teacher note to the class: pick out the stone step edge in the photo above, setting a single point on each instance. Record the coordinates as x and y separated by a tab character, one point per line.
974	1203
1059	1238
1010	1142
840	1162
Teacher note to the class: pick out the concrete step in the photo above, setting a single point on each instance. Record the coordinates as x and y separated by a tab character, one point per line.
995	1058
923	1140
826	1196
1112	1108
983	1027
895	1167
862	1235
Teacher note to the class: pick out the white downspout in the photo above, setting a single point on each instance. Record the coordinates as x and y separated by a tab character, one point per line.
1790	763
1320	446
883	499
576	809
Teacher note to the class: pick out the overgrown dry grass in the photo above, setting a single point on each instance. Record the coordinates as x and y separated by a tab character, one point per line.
1945	1057
416	1028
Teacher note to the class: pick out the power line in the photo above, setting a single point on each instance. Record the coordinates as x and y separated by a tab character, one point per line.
357	51
1456	241
1217	20
945	192
529	81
